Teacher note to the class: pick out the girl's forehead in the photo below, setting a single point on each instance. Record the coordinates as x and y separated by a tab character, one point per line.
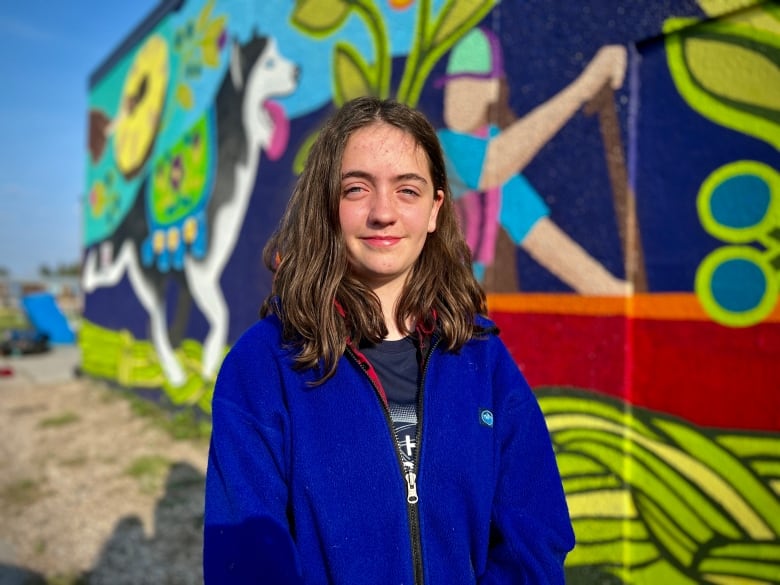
381	144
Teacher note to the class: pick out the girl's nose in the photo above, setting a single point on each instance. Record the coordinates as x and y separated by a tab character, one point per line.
382	210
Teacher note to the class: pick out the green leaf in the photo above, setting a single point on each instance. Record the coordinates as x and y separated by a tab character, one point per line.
454	17
303	153
214	29
320	17
184	96
729	73
352	77
210	55
454	20
204	15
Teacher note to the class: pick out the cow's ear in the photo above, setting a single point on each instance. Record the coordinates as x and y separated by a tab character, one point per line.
236	67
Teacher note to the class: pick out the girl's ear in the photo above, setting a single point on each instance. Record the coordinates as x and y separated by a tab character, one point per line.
438	199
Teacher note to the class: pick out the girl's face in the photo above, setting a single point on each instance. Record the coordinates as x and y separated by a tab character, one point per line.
388	203
466	102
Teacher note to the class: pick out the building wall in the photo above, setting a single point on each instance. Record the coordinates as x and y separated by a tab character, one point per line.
631	250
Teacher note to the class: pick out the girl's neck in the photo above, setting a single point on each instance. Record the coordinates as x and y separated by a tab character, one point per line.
389	295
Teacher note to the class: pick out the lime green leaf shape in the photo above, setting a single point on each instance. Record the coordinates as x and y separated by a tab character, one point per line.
742	9
319	18
303	153
185	96
203	17
455	18
352	76
730	74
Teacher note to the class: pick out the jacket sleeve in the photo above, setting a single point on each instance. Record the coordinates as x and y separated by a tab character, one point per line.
531	531
247	537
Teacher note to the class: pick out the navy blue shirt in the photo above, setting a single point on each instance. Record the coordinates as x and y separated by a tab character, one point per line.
396	363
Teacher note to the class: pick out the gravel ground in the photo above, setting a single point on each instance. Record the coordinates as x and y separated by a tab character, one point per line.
91	492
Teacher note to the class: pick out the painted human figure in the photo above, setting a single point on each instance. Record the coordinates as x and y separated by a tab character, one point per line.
487	149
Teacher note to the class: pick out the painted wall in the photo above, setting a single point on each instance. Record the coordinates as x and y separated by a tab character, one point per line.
627	228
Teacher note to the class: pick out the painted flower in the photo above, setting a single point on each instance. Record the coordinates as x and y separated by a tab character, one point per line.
400	4
97	198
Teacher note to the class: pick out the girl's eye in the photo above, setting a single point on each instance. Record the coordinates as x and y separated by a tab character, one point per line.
411	192
354	189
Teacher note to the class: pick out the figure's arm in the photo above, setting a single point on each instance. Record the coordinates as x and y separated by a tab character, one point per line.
557	252
519	143
247	536
531	532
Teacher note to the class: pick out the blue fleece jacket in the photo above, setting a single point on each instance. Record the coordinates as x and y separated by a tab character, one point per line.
304	484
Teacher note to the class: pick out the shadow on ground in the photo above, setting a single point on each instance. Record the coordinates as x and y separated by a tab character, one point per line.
171	555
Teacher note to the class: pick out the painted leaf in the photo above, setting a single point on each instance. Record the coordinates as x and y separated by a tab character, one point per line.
303	153
454	19
215	29
351	75
320	17
455	16
204	15
210	54
184	96
730	74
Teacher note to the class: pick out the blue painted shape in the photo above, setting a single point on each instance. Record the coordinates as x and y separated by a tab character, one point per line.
738	285
741	201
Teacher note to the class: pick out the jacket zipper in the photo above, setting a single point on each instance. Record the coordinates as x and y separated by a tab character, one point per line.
409	476
414	522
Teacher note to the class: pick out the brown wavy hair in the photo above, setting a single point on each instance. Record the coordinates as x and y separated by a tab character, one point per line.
308	257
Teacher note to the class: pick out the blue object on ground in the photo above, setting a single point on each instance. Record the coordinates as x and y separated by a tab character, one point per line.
46	317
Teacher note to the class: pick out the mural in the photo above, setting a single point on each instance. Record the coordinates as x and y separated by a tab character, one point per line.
616	170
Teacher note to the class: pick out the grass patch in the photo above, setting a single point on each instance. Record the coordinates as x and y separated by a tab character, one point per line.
22	492
150	471
180	424
61	420
12	319
79	579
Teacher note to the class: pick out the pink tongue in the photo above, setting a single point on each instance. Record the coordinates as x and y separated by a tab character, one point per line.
281	133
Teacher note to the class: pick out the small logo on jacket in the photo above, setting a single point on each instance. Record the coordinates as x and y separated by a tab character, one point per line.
486	417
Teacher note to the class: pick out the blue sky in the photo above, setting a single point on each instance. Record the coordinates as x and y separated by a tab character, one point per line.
48	50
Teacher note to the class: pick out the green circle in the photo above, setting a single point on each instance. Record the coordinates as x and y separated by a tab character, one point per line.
725	182
736	308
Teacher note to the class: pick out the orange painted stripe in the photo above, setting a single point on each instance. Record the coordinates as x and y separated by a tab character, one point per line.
662	306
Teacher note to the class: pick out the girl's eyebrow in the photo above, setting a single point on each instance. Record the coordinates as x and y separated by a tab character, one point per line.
356	174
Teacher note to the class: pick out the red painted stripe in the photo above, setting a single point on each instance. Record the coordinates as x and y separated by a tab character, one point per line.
703	372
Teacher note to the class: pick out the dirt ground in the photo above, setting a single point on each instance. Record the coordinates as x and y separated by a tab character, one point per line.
90	491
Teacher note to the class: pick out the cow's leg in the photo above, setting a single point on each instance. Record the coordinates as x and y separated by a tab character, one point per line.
154	303
203	282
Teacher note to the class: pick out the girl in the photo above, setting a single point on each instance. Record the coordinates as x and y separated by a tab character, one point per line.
372	427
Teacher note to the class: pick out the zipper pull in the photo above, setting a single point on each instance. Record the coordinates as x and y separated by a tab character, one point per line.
411	487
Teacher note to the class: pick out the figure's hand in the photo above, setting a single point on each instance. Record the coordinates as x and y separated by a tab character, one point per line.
607	66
